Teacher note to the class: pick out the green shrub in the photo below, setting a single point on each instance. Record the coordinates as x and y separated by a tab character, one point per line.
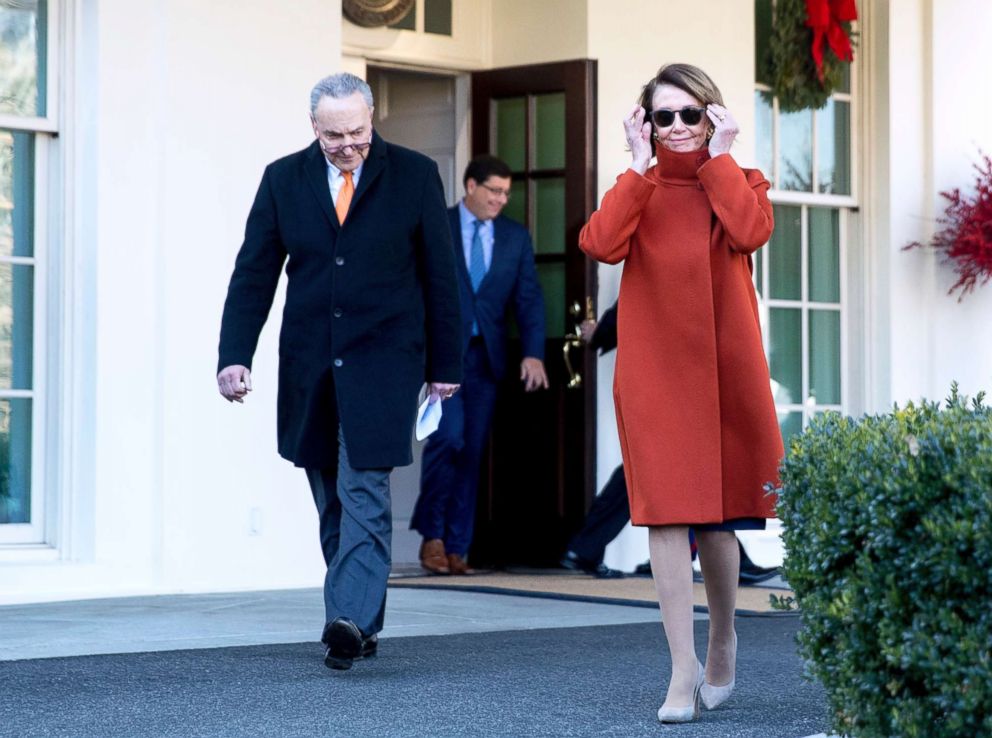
888	536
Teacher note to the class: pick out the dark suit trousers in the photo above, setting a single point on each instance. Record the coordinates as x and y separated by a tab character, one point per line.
608	514
356	527
449	470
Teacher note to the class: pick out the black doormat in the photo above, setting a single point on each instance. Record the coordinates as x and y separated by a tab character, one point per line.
589	681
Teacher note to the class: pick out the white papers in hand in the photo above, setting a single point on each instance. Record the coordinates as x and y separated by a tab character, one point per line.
428	416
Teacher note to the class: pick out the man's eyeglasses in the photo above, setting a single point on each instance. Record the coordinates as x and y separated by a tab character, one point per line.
356	147
498	191
664	117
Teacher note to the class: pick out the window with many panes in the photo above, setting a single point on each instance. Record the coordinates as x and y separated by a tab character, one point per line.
429	16
800	274
26	131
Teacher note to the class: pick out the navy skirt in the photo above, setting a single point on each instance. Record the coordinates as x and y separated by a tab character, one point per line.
735	524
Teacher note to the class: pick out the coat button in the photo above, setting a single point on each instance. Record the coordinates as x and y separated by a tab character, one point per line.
338	362
338	312
339	261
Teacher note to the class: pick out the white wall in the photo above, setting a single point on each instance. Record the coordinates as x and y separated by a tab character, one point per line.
631	40
960	117
906	206
529	32
188	102
933	123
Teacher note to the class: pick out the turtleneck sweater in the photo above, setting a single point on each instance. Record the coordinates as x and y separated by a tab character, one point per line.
697	423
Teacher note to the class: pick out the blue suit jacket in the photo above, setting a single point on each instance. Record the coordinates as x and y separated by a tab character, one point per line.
510	281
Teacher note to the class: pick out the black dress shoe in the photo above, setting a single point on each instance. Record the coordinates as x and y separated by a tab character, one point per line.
344	642
751	573
370	646
602	571
756	574
573	562
643	570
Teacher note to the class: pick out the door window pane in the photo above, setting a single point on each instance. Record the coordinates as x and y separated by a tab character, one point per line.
23	55
552	278
516	208
785	254
764	134
824	255
16	325
550	134
785	354
511	131
795	162
549	215
824	356
833	131
437	17
15	460
16	194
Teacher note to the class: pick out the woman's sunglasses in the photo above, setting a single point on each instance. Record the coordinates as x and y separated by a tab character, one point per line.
690	115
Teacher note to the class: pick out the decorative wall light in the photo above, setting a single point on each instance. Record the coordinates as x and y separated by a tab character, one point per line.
375	13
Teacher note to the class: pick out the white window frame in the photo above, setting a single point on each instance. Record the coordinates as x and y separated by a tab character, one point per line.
845	205
39	530
804	304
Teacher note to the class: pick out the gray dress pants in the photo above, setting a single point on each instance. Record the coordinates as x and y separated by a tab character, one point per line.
355	535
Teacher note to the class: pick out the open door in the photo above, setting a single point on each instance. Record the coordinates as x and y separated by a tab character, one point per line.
541	471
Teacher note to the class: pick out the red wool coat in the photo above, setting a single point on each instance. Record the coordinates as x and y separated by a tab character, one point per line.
697	422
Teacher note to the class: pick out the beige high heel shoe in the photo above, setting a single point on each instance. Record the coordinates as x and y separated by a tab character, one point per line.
689	713
713	696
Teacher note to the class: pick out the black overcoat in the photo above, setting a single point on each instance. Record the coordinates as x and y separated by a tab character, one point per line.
371	309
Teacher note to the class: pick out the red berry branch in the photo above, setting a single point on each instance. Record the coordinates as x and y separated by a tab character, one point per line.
965	238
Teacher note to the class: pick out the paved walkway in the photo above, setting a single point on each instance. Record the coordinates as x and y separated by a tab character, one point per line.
585	661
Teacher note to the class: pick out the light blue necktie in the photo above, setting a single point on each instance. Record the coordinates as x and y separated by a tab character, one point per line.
476	266
477	258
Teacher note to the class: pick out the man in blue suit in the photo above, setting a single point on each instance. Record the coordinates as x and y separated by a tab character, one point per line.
495	264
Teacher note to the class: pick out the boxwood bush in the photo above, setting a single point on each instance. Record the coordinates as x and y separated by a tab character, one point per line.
888	535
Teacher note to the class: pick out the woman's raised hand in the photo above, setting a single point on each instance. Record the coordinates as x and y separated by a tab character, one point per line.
725	129
638	132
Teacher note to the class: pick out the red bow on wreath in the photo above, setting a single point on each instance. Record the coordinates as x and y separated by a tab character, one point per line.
825	18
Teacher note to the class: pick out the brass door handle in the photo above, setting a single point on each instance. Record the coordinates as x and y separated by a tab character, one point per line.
572	341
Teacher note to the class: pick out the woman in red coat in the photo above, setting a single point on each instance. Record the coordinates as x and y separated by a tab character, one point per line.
698	430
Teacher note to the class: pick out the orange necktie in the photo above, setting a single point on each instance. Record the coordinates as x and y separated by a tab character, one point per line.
344	196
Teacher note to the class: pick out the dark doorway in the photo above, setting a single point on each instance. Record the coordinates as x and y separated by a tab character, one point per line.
541	470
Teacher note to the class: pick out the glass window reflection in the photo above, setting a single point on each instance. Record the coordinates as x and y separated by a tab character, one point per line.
795	156
833	132
764	134
23	57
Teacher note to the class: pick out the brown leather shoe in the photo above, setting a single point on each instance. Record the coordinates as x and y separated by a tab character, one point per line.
432	556
458	565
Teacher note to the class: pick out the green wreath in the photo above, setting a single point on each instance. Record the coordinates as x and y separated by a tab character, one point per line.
789	64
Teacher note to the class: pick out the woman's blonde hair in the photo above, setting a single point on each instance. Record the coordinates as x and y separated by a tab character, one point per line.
687	78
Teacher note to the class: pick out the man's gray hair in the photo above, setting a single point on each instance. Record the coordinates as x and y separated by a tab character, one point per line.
339	86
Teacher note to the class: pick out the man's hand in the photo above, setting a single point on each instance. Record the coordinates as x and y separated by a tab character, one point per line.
234	382
443	391
587	329
532	374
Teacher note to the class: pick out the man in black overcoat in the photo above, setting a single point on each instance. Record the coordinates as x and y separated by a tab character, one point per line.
371	313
